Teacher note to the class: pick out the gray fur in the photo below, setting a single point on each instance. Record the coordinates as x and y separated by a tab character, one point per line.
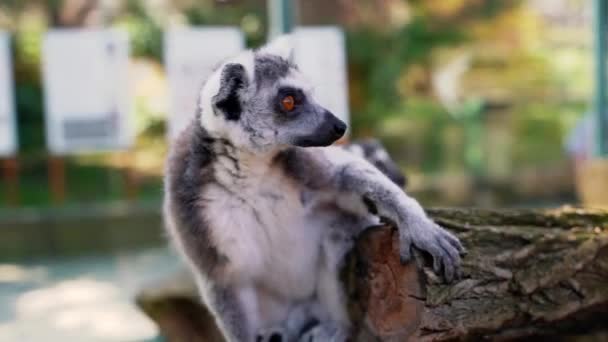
232	319
373	151
264	218
188	171
269	69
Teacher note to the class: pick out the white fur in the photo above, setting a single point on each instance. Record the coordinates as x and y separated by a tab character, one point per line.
357	150
209	120
281	46
298	80
256	246
381	155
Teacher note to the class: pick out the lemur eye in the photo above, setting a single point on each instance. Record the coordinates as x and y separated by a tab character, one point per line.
288	103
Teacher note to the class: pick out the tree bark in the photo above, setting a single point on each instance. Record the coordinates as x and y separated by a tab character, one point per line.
528	273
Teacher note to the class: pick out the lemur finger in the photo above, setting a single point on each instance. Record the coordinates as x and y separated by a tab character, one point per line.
450	263
448	270
437	254
437	264
454	241
405	246
450	250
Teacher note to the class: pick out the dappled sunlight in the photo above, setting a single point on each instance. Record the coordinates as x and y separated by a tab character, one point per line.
10	273
106	322
77	310
67	293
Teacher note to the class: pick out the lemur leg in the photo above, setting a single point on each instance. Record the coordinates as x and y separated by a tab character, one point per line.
289	318
326	332
334	322
302	317
392	204
273	334
324	316
235	310
307	321
337	241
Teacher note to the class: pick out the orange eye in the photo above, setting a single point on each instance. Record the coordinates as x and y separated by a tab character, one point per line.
288	103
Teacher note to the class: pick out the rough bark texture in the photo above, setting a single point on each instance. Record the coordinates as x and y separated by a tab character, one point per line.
527	274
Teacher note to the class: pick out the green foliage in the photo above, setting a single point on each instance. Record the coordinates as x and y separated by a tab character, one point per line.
421	125
146	32
26	47
247	15
539	130
86	184
145	36
390	68
528	80
378	59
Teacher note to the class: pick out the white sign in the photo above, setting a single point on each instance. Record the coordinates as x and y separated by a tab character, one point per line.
191	54
8	126
86	91
320	54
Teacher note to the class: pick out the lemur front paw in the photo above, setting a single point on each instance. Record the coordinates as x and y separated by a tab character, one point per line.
273	334
428	236
326	332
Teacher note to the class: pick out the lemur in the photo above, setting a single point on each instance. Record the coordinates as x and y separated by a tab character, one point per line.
263	209
373	151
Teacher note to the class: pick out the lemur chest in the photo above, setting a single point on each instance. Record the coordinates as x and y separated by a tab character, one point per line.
266	232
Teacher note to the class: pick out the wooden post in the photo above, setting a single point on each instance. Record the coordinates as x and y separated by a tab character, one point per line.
10	176
281	17
57	179
601	82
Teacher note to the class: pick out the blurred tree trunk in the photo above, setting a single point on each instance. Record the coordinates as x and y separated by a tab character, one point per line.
527	274
319	12
74	13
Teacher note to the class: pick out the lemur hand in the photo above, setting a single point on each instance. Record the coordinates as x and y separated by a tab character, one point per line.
421	232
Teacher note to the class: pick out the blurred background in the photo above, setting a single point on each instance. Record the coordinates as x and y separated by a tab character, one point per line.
481	102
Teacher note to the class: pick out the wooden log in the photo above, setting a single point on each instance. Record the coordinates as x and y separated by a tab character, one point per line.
528	274
175	307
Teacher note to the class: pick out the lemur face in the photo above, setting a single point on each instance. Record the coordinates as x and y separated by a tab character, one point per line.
286	105
261	101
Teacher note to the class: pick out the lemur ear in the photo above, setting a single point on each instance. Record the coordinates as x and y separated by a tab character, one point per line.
281	46
232	80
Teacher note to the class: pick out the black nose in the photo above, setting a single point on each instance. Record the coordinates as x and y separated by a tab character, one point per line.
339	128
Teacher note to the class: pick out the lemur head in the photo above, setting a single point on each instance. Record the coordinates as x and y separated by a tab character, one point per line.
260	101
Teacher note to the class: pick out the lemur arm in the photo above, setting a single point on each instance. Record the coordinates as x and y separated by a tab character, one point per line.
391	203
337	170
355	175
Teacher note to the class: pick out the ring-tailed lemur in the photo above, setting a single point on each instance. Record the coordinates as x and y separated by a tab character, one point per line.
373	151
263	209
